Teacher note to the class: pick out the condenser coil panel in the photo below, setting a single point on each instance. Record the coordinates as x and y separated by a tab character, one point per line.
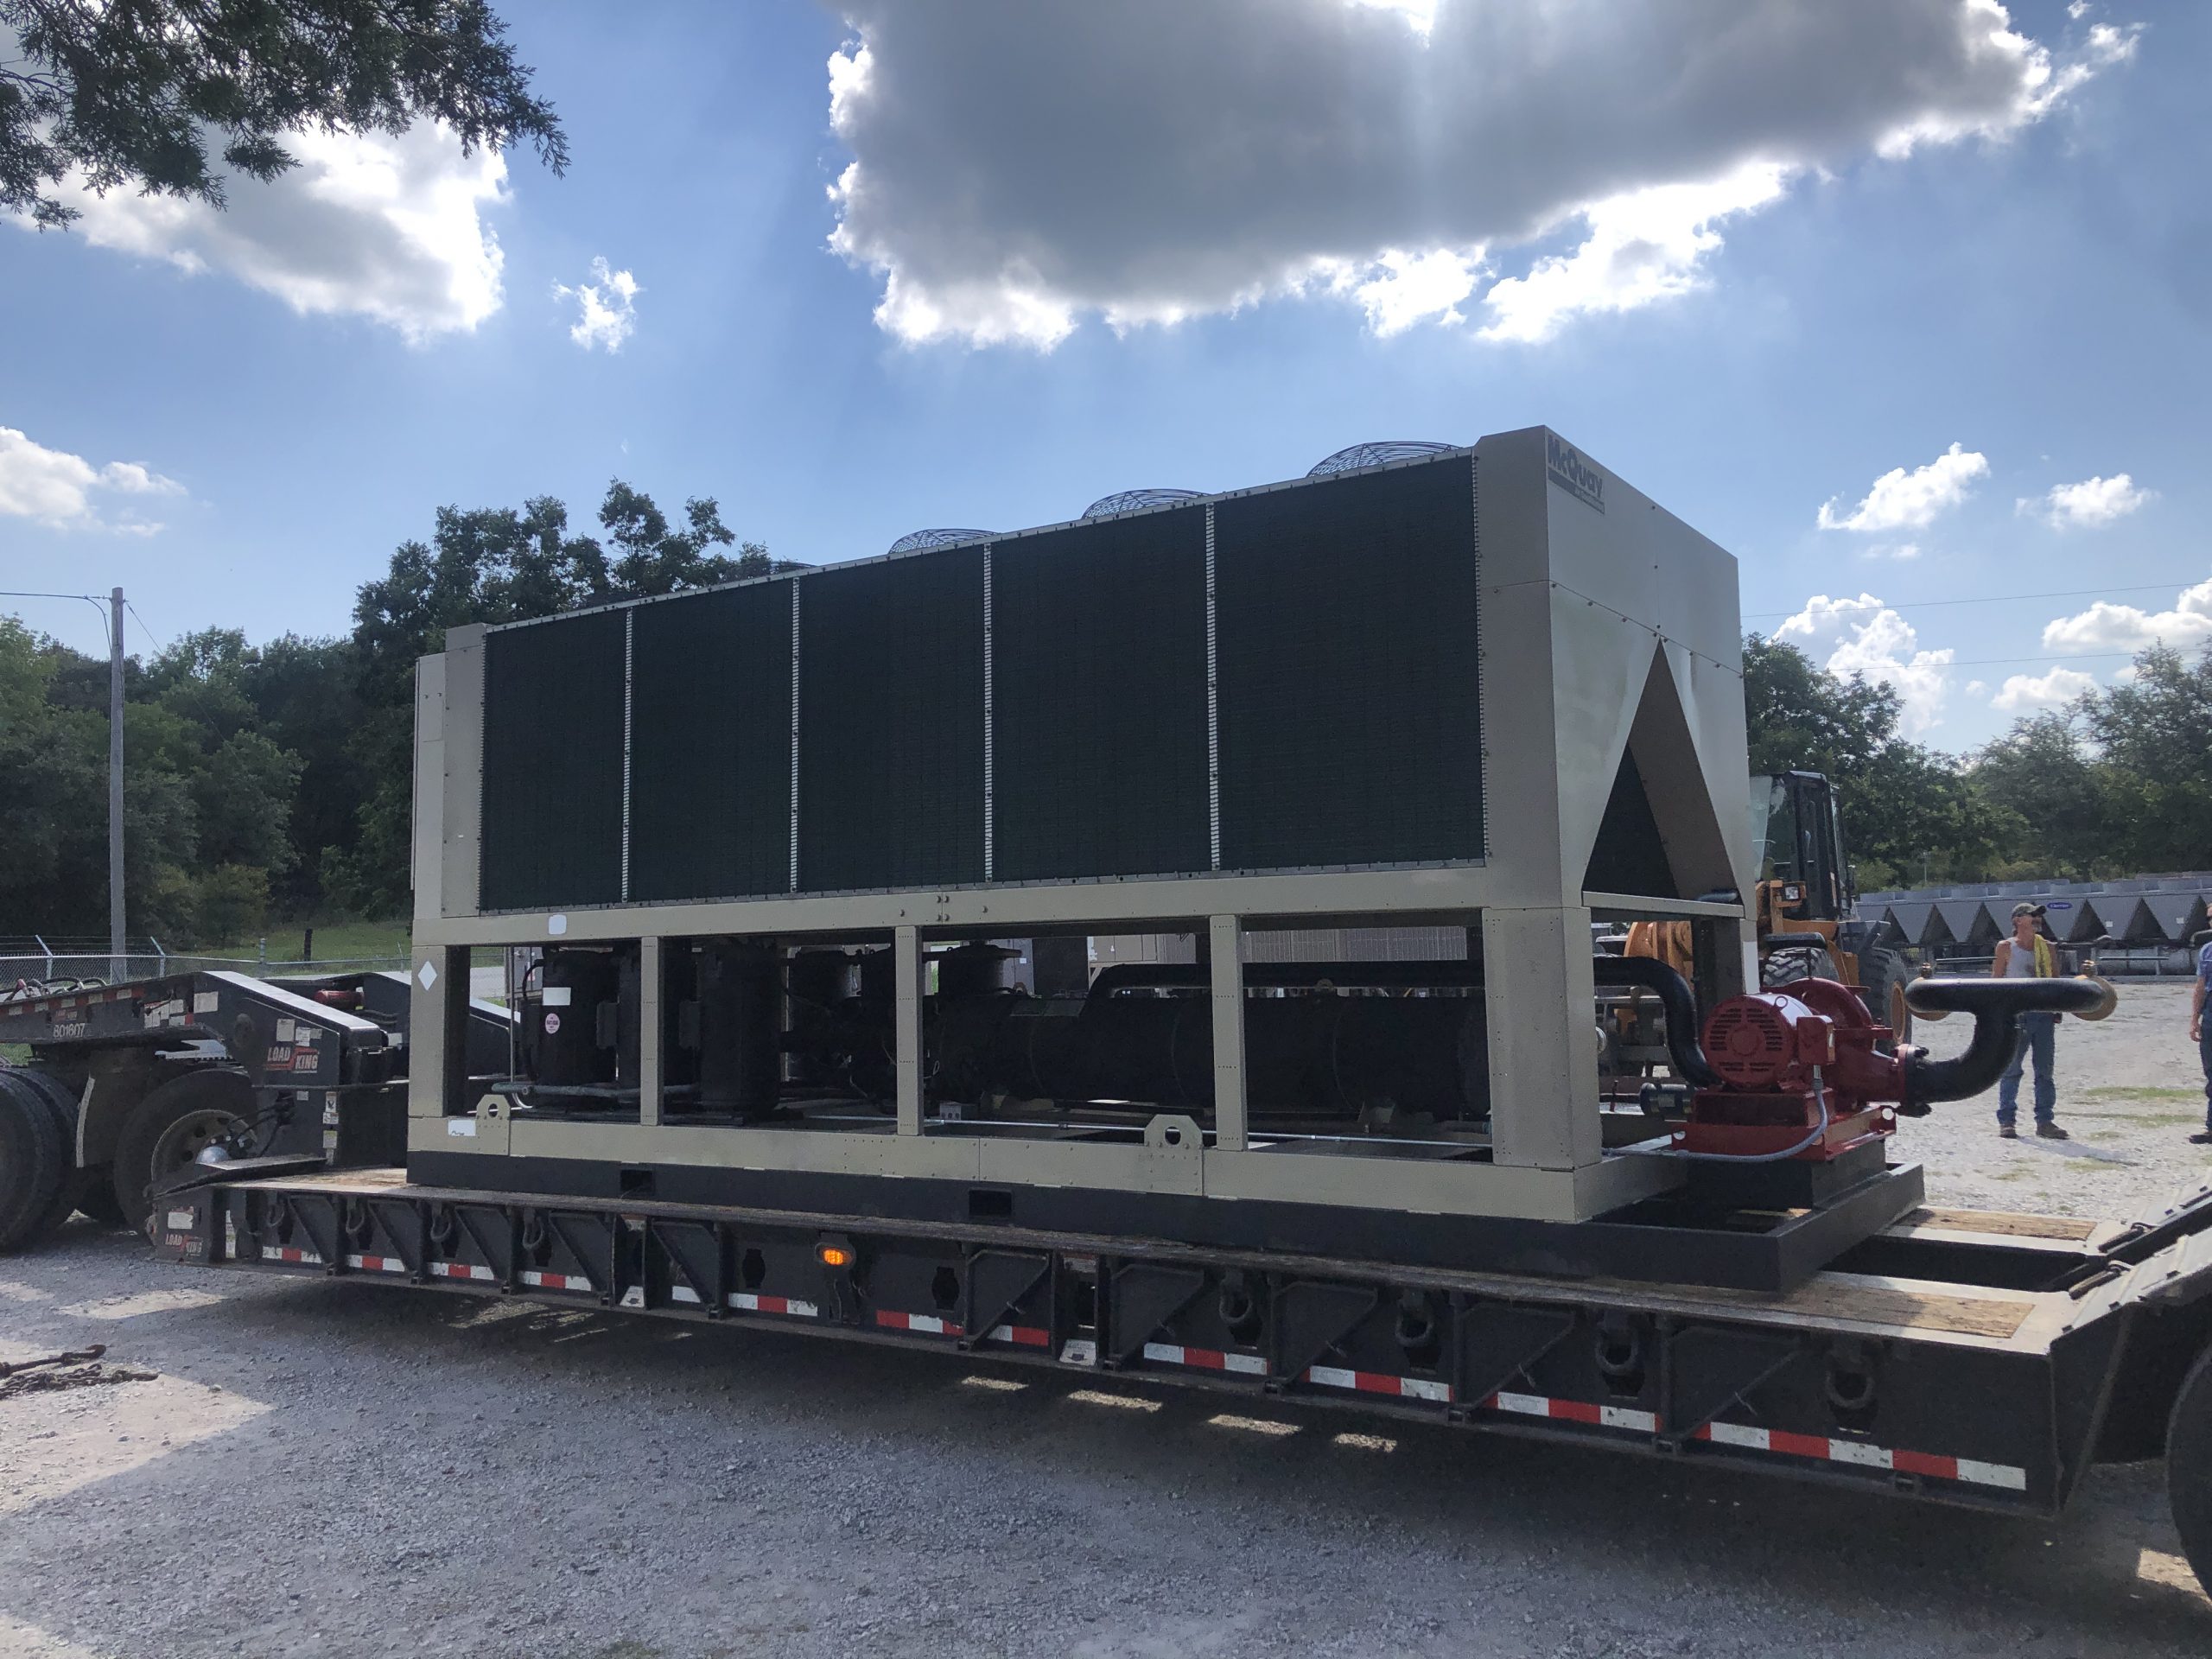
553	736
1279	679
891	723
710	743
1098	658
1350	690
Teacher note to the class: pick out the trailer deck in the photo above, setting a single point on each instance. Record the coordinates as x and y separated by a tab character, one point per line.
1980	1366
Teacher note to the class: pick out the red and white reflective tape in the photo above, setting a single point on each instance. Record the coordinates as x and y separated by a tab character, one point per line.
377	1263
555	1280
1858	1453
1028	1336
747	1302
1406	1387
1573	1411
928	1324
290	1254
460	1270
1205	1359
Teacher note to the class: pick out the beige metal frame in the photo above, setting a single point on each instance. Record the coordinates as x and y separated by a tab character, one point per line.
1608	627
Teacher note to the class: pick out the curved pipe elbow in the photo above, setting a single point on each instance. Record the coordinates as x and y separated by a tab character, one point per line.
1996	1006
1679	1003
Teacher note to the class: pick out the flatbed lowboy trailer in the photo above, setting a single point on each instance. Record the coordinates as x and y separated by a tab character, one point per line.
777	848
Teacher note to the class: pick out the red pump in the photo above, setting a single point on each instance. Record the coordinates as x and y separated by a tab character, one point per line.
1788	1060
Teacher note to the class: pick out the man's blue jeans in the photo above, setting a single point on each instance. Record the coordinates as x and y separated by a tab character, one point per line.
2038	1033
2205	1053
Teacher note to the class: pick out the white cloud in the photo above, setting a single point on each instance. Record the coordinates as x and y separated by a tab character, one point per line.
60	490
1911	500
2106	626
1977	688
1016	170
606	306
1899	552
1642	247
2020	693
375	226
1406	289
2087	505
1864	636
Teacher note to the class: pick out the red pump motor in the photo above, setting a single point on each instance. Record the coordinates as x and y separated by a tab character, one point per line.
1783	1056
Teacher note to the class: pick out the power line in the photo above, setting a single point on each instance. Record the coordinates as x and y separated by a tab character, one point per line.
142	628
1999	599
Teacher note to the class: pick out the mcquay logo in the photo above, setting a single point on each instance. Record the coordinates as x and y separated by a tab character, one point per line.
1572	473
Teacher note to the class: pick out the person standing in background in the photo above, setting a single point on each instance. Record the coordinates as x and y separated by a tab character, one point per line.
2202	1037
2028	955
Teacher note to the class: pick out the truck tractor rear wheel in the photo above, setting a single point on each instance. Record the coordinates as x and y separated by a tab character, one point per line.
36	1162
62	1104
2189	1467
168	1130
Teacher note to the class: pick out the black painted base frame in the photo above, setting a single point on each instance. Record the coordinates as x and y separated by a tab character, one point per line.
1658	1241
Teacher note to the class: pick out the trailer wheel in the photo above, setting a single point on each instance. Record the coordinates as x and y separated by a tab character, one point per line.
167	1130
2189	1467
35	1161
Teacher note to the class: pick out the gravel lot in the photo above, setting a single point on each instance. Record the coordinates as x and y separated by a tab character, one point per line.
335	1468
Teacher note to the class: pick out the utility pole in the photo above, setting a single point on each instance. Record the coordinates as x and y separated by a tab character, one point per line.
115	967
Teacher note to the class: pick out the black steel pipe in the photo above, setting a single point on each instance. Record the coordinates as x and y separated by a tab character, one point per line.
1996	1006
1676	1001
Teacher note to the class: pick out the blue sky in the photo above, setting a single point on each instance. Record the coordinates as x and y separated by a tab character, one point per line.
2030	281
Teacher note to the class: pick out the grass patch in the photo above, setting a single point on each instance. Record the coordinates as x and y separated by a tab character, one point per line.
2116	1092
334	941
2093	1166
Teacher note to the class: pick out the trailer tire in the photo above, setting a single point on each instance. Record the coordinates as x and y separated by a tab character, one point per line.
35	1161
204	1098
2188	1465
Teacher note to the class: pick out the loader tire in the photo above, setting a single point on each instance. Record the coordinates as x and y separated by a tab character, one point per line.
198	1106
1883	975
2189	1467
35	1161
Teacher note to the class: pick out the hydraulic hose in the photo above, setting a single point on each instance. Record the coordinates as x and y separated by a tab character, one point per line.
1996	1006
1677	1001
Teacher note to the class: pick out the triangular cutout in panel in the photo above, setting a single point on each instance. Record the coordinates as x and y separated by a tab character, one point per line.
1659	836
1629	856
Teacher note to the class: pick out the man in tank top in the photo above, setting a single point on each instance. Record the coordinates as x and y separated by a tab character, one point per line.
2028	955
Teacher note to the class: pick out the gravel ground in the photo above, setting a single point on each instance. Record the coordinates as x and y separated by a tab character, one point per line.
2130	1092
338	1469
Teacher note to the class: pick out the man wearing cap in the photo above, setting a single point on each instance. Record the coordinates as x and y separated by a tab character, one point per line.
2028	955
2201	1035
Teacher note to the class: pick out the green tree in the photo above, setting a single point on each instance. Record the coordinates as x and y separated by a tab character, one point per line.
2045	776
1902	804
2152	732
128	92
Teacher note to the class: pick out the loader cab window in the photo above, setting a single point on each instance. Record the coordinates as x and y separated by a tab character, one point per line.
1798	840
